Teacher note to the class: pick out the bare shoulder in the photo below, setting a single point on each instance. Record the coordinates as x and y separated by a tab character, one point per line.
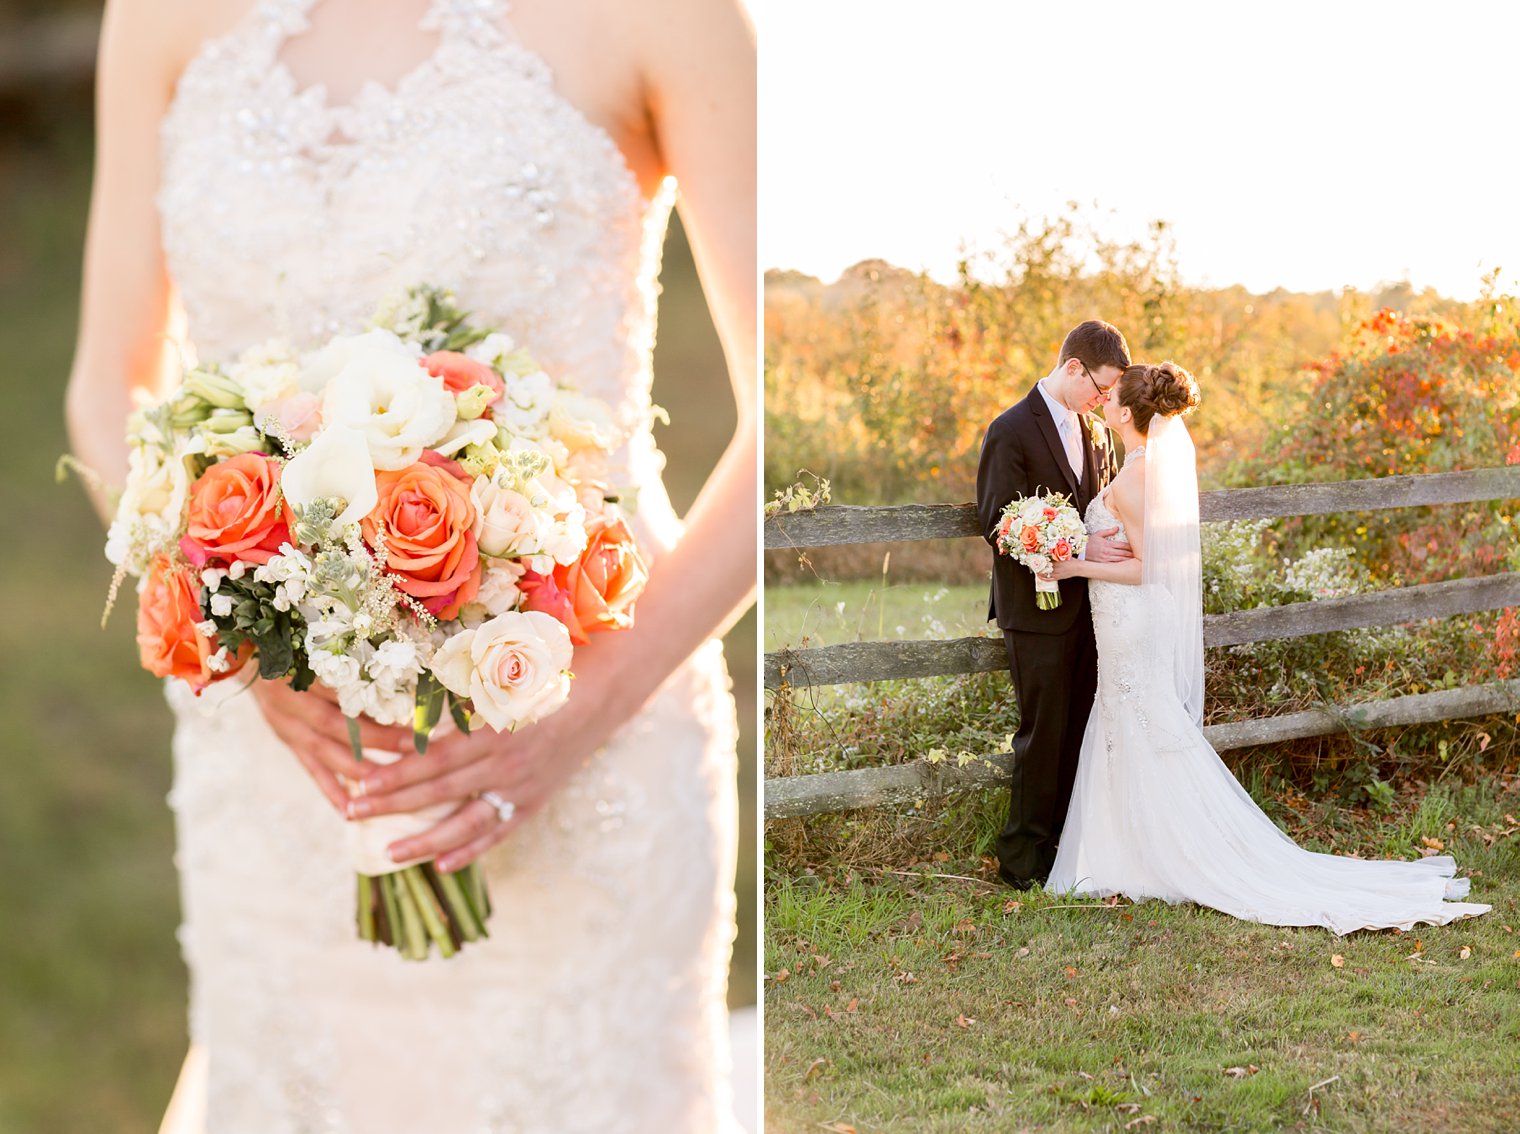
1128	492
155	39
704	40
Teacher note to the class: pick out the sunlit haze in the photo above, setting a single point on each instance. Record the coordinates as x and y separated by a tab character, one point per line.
1301	145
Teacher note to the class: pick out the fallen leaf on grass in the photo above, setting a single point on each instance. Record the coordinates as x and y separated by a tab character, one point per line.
853	1004
1011	906
1143	1120
1023	951
906	978
1354	1037
1338	961
1071	972
1242	1072
1466	952
815	1068
965	925
1433	844
841	1128
783	976
1071	1002
1517	955
964	1021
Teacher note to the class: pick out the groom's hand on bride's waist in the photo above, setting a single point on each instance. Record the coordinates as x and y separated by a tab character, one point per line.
1101	548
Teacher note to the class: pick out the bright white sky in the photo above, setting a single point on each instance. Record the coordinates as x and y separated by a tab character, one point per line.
1307	145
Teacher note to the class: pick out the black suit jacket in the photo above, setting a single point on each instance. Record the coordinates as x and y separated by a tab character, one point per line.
1022	455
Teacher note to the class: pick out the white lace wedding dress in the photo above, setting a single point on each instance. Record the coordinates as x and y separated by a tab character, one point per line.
1156	814
598	1002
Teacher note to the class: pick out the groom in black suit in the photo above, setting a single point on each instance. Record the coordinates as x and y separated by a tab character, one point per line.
1049	442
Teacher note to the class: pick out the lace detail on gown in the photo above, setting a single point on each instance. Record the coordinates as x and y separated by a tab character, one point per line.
598	1002
1155	813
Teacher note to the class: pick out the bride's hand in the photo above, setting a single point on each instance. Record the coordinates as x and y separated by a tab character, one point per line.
526	767
314	728
1069	569
1101	548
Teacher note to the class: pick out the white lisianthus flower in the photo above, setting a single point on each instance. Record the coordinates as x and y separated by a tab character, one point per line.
321	366
514	668
385	394
334	466
579	422
506	523
465	433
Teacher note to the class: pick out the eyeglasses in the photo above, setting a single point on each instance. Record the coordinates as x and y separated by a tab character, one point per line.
1102	390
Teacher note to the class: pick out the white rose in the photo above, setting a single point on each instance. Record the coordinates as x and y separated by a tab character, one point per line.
334	466
514	668
399	407
498	586
506	523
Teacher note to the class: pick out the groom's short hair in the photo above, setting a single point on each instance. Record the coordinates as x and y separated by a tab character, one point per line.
1095	344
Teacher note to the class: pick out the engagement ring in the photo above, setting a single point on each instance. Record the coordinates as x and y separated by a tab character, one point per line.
504	807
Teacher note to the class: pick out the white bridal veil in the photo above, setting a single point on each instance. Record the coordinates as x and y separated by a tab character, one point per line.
1173	556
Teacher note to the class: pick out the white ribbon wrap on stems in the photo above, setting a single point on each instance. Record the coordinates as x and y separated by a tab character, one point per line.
366	839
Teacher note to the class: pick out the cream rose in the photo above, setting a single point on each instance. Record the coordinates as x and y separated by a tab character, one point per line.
579	422
514	668
505	521
336	466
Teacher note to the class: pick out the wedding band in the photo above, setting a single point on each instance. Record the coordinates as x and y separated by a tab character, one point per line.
504	807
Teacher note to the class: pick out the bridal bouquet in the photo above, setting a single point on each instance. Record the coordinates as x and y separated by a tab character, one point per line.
1039	532
416	516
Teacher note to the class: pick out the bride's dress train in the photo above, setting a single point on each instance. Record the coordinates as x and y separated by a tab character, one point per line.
1156	814
597	1004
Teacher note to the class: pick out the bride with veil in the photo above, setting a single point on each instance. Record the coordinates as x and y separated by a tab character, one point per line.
1155	813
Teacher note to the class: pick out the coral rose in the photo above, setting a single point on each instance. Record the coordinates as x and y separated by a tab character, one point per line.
427	518
235	512
605	581
1061	552
168	643
1030	538
598	590
460	372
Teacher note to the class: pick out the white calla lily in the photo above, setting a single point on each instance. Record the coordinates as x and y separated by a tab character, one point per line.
334	466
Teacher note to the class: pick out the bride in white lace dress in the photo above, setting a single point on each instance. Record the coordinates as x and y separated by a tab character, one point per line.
275	169
1155	813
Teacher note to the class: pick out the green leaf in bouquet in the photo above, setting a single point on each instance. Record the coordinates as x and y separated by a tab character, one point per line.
275	658
428	712
460	714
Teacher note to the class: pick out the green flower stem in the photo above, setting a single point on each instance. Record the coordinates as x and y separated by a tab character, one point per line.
414	946
387	887
475	881
367	929
432	916
471	926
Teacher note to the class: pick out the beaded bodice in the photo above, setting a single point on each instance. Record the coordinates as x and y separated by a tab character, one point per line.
286	215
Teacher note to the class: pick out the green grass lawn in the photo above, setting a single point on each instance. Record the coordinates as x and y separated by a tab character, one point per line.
92	988
827	613
928	999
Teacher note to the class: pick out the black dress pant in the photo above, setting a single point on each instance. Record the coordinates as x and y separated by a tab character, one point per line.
1055	677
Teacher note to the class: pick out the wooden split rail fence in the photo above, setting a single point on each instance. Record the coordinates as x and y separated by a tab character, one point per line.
792	796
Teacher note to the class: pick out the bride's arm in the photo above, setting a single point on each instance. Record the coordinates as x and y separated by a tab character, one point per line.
701	99
125	302
125	340
1128	499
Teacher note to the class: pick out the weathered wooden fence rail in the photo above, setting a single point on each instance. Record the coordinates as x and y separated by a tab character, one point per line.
792	796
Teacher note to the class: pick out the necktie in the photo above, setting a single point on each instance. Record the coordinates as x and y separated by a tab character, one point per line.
1073	445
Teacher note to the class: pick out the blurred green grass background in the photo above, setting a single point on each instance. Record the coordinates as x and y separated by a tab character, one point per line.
92	988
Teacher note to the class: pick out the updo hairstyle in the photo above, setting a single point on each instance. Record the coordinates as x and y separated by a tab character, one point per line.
1147	389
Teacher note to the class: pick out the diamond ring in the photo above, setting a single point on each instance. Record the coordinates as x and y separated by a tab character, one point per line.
504	807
